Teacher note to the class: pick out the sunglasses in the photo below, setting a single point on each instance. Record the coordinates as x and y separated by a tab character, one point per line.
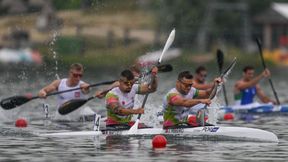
128	83
185	84
75	75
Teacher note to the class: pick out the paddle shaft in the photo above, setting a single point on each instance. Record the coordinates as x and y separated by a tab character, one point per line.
144	101
73	89
224	89
264	66
167	45
214	90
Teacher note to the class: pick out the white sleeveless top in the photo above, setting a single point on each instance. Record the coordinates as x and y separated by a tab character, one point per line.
63	97
126	100
180	111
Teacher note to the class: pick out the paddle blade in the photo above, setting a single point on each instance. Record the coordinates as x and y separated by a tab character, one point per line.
134	128
165	68
220	59
12	102
167	44
71	106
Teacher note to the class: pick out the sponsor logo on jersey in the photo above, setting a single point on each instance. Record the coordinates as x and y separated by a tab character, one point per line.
77	94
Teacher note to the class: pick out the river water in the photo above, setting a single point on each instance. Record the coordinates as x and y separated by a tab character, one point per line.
23	144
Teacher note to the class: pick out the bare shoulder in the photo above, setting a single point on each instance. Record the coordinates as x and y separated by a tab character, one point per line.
56	82
238	82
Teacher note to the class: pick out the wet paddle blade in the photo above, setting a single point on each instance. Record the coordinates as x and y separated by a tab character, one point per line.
167	44
165	68
134	128
12	102
220	59
71	106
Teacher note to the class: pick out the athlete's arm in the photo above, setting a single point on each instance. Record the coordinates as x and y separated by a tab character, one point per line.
146	88
262	96
240	85
103	92
49	88
177	100
85	88
206	94
152	87
117	109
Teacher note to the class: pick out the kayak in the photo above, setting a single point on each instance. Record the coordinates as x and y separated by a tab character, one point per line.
252	109
255	108
207	132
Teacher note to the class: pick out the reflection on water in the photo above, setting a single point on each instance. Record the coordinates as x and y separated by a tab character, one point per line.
24	144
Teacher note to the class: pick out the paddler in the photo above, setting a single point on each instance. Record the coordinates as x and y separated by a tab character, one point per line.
248	86
73	81
136	71
179	100
199	80
120	100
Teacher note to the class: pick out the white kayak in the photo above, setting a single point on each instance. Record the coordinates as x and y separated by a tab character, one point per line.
214	132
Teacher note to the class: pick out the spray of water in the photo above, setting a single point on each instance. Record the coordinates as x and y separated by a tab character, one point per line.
55	35
149	118
213	109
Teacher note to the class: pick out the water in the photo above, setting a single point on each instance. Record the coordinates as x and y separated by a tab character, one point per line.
24	144
53	52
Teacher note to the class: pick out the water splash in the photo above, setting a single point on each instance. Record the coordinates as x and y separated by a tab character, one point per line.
151	108
213	110
55	35
22	76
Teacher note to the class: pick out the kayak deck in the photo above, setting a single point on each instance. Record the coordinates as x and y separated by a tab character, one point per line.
235	133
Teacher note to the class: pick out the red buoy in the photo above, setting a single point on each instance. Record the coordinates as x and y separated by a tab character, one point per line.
21	123
159	141
228	116
192	120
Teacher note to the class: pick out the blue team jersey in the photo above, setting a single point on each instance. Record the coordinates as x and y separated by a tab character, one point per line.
247	95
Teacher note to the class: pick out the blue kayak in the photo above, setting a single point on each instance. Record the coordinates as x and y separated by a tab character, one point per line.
255	108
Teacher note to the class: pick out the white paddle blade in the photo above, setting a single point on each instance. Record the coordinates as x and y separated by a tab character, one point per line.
167	44
96	126
134	128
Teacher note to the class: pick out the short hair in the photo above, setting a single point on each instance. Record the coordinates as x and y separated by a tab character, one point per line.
199	69
246	68
76	66
185	74
127	74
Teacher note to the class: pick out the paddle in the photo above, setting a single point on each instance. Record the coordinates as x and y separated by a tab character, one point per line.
220	61
14	101
162	69
74	104
134	128
165	68
264	66
214	90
